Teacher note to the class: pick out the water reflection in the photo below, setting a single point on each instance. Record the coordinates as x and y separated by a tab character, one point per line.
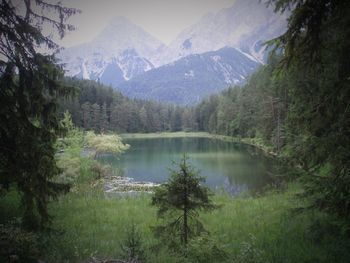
232	167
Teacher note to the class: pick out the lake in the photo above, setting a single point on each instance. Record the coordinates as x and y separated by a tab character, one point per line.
227	166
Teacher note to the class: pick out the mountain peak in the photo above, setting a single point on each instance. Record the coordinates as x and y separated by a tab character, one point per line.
121	41
121	34
242	26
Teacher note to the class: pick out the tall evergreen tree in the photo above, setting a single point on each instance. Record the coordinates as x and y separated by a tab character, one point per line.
315	46
29	87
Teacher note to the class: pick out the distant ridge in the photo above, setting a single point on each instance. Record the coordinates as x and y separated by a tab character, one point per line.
192	78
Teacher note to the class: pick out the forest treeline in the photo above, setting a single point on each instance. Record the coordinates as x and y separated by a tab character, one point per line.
256	110
102	109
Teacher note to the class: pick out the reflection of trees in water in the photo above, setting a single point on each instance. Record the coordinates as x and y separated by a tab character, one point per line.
233	167
275	171
241	169
245	167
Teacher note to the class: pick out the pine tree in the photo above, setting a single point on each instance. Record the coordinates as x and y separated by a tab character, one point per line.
119	117
315	59
86	115
30	85
144	119
104	118
176	122
179	201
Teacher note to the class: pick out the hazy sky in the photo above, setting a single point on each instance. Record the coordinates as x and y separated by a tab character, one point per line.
163	19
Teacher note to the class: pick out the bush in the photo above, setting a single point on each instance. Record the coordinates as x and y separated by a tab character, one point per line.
70	167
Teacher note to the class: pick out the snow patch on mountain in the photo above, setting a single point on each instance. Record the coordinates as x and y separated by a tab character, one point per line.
189	74
190	79
84	71
121	46
243	26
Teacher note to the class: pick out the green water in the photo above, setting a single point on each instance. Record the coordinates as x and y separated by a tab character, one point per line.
227	166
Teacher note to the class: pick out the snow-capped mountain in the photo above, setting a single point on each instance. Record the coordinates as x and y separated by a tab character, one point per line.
122	50
246	25
190	79
220	50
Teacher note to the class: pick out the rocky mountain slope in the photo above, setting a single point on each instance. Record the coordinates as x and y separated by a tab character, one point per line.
190	79
121	51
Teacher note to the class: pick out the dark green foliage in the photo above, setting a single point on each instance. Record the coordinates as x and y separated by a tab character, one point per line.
102	109
316	46
256	110
178	202
30	86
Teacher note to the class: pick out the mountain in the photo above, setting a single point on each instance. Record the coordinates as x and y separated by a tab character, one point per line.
219	50
246	25
121	51
190	79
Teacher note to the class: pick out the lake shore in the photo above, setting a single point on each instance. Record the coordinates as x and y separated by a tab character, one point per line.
249	141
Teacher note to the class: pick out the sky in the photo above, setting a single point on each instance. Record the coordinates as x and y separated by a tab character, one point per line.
164	19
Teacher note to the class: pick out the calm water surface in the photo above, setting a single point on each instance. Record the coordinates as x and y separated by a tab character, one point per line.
227	166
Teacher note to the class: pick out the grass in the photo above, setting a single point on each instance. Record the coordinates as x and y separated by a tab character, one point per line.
261	229
93	225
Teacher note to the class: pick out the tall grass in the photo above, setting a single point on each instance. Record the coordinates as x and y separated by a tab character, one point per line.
89	224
